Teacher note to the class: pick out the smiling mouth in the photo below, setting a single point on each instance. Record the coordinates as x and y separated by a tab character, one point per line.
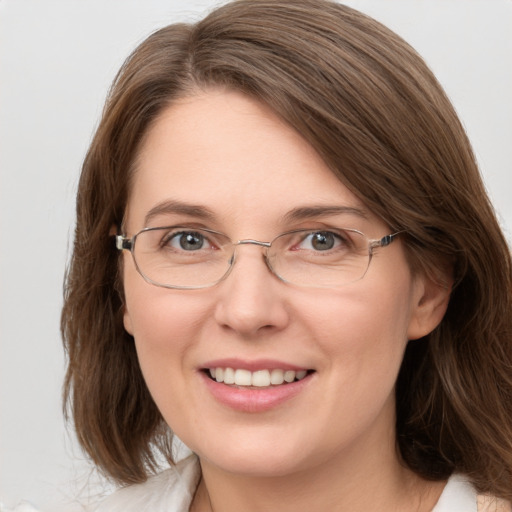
258	379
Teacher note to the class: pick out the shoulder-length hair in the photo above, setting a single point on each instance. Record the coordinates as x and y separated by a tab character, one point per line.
375	113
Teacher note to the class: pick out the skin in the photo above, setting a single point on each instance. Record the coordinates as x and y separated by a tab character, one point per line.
332	446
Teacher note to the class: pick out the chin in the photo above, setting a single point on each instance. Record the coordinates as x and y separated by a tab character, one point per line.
257	457
256	467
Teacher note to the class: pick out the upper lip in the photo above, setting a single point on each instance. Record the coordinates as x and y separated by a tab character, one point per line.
254	365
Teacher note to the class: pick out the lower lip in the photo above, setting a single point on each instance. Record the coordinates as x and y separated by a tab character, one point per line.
253	399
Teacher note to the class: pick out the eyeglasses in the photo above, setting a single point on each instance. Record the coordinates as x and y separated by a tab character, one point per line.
187	258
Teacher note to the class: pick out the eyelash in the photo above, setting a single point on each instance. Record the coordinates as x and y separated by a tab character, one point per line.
324	236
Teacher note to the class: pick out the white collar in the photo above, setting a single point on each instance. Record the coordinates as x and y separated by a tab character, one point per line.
174	489
458	496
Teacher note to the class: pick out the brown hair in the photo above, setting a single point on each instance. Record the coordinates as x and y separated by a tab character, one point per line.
375	113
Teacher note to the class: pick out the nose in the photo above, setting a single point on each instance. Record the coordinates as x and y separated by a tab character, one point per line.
251	299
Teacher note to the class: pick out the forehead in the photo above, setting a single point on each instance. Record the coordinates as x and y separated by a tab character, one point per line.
233	157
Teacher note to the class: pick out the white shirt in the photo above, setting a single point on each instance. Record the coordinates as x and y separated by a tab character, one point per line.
458	496
172	490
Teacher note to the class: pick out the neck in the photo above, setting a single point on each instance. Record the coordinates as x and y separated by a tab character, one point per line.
338	484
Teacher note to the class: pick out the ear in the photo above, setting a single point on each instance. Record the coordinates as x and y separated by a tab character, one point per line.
127	321
430	301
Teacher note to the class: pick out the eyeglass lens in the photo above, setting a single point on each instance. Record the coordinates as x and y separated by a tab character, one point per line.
180	257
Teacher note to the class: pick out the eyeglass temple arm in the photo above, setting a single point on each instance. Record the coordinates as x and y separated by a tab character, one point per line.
386	240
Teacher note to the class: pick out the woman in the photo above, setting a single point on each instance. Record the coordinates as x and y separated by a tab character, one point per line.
285	256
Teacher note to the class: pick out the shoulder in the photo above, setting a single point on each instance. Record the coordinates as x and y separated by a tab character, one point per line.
171	490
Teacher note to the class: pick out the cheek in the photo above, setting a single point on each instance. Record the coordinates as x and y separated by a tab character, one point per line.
166	330
164	323
363	334
360	316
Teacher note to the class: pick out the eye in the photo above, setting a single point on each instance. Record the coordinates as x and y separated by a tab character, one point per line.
321	241
186	240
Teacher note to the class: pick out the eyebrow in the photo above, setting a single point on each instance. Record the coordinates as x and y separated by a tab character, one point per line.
171	206
308	212
297	214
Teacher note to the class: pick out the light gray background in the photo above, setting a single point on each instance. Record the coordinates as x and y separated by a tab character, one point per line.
57	59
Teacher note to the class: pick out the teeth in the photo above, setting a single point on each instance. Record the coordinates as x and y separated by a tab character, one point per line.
229	376
276	377
259	378
243	378
289	376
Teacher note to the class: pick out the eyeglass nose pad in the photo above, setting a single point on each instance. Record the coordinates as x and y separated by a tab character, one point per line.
267	261
271	269
231	263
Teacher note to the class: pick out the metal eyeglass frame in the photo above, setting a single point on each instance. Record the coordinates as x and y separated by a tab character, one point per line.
124	243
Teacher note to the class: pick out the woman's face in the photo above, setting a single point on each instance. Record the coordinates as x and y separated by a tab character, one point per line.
241	171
